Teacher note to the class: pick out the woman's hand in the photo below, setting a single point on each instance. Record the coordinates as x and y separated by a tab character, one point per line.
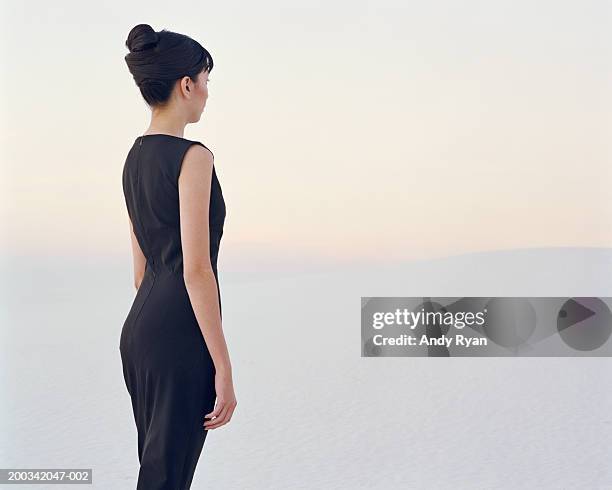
226	402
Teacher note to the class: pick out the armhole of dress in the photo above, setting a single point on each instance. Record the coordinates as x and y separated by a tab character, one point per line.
202	144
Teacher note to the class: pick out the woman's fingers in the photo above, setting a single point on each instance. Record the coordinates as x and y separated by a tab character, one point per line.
216	411
227	416
224	416
213	424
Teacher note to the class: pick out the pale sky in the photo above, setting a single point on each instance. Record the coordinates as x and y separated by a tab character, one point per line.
340	129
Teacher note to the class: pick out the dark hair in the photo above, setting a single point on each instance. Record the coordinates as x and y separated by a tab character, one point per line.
158	59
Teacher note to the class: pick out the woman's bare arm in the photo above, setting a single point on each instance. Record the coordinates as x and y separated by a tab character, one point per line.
139	259
194	199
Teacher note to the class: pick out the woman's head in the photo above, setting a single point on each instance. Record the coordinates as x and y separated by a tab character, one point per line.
169	68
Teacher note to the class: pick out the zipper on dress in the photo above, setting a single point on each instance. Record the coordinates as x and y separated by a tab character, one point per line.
145	238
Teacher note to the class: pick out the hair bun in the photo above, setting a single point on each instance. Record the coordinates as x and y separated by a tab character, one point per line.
141	37
173	56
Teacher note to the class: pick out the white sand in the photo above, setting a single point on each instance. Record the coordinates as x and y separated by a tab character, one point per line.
312	413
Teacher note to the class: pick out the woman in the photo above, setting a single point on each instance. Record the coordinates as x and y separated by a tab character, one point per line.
175	359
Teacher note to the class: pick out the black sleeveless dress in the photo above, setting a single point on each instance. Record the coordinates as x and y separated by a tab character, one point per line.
167	367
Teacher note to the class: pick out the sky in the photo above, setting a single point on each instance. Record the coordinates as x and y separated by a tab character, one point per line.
341	130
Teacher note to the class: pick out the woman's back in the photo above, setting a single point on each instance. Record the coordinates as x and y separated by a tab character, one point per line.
150	187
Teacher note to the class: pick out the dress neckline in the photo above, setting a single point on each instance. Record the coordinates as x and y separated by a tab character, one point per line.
163	134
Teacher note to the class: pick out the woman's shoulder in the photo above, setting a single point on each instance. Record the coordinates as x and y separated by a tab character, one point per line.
197	142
